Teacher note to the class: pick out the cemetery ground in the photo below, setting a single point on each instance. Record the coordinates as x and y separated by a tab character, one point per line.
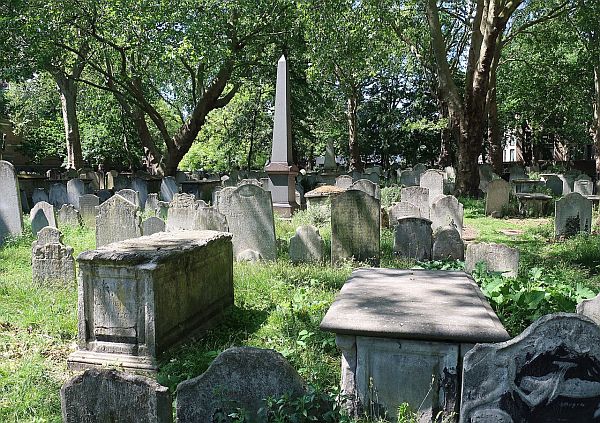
277	305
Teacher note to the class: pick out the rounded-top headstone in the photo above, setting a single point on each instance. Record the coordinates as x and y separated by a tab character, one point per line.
447	244
306	245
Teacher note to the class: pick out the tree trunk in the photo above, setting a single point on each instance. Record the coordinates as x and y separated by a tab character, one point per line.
67	88
152	155
351	115
596	125
494	130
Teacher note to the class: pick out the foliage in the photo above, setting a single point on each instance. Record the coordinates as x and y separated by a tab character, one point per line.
390	195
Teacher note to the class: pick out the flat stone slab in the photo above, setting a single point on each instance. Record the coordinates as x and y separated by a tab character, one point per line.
413	304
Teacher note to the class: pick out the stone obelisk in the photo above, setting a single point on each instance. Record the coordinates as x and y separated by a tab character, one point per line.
281	169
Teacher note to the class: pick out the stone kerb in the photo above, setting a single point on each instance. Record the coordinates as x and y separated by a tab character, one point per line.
497	258
550	372
413	238
573	214
11	223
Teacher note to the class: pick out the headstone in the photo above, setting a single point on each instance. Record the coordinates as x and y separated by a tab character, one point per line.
24	202
110	179
68	215
330	164
486	175
419	197
58	195
554	184
151	202
153	225
239	378
117	220
450	173
573	214
447	211
497	258
583	187
413	238
75	189
249	214
141	187
104	195
368	187
39	194
187	213
130	195
51	261
590	308
180	176
402	209
42	215
168	188
111	396
516	172
549	373
87	209
250	181
447	244
497	197
343	181
306	245
355	226
433	180
568	181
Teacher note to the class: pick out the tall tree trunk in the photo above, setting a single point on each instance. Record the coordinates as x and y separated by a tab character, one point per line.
351	115
153	157
494	130
596	125
67	88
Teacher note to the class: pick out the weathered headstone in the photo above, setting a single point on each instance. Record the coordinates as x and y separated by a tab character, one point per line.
497	258
329	164
130	195
447	244
51	261
419	197
110	396
402	209
368	187
497	197
58	195
413	238
306	245
182	213
343	181
117	220
11	221
517	172
447	211
249	215
486	175
355	225
555	184
168	188
42	215
568	180
39	194
151	202
583	187
75	189
141	187
590	308
409	178
433	180
573	214
68	215
549	373
104	195
153	225
239	378
87	209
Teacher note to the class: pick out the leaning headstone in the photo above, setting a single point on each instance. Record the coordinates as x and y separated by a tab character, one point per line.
433	180
68	215
355	224
249	215
117	220
141	187
549	373
497	197
75	189
58	195
87	209
419	197
306	245
239	378
111	396
590	308
42	215
554	184
447	244
573	214
343	181
11	222
51	261
447	211
39	194
153	225
168	188
367	186
402	209
130	195
583	187
413	238
497	258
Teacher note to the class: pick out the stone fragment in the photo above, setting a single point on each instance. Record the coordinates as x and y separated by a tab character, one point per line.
75	189
447	244
572	214
497	197
58	195
42	215
117	220
68	215
497	258
445	211
413	238
368	187
419	197
153	225
51	261
306	245
87	209
251	256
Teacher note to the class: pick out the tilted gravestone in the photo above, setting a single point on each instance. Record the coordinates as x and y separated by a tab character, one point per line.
75	189
306	245
573	214
355	226
153	225
68	215
141	187
447	211
239	378
368	187
249	213
113	396
51	261
447	244
39	194
343	181
402	209
419	197
549	373
433	180
58	195
130	195
497	258
11	223
87	209
168	188
42	215
413	238
117	220
590	308
497	197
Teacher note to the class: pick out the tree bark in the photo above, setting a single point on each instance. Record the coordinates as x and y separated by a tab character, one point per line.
596	124
494	129
67	88
351	115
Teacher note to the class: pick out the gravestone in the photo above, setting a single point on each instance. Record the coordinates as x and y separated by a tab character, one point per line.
75	189
51	261
11	223
117	220
87	209
433	180
447	211
239	378
182	213
130	195
330	164
413	238
250	181
168	188
568	181
153	225
249	215
419	197
103	195
583	187
39	194
549	373
497	258
368	187
110	179
68	215
42	215
409	178
343	181
24	202
517	172
306	245
58	195
108	395
573	214
402	209
141	187
590	308
447	244
497	197
151	202
554	184
355	224
486	175
450	173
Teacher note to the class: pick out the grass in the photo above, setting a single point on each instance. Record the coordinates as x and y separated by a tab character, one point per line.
277	305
